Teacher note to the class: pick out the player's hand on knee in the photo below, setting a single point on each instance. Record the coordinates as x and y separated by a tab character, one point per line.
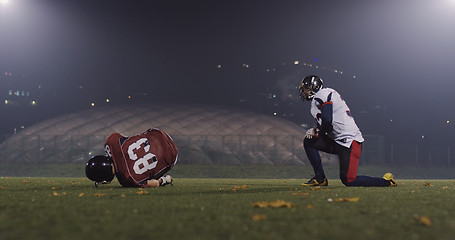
311	133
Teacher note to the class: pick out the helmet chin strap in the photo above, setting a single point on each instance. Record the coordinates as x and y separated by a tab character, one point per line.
103	182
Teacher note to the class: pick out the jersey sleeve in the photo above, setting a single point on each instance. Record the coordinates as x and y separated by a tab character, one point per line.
324	105
327	114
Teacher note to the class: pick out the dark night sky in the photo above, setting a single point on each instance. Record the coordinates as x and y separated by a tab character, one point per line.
401	51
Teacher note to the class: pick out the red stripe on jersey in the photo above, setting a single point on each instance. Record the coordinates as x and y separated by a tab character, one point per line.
356	150
329	102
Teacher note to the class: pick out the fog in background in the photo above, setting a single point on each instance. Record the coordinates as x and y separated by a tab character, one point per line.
393	61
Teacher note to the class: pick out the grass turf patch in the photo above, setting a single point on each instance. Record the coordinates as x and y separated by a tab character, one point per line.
196	208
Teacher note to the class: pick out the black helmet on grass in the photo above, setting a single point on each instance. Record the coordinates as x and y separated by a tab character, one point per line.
99	169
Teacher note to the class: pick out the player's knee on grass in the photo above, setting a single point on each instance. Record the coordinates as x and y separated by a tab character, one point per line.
344	181
347	182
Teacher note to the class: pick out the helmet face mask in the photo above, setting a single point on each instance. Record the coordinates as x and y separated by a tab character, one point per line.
309	86
99	169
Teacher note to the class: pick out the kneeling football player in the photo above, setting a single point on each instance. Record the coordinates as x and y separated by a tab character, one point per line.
137	161
336	133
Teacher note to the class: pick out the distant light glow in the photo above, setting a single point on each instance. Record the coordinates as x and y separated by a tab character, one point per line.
33	103
107	100
296	62
92	104
274	114
3	1
6	102
448	121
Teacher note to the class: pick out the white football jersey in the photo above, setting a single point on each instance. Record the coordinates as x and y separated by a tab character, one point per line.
345	129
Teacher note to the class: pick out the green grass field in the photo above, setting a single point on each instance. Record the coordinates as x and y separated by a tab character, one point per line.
72	208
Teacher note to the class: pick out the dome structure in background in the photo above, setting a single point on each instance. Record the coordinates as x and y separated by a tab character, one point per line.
203	134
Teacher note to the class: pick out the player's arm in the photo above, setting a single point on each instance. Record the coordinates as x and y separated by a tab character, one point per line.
153	183
326	117
162	181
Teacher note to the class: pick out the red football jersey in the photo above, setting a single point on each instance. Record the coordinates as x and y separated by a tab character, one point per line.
141	157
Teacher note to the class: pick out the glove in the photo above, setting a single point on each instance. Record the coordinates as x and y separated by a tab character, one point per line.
312	132
166	179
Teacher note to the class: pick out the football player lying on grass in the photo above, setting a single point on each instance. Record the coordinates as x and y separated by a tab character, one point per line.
138	161
336	133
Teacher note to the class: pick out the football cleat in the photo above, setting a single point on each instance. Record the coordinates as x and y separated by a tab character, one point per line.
389	177
165	180
316	182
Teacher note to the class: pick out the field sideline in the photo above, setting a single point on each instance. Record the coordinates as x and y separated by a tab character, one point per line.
207	208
